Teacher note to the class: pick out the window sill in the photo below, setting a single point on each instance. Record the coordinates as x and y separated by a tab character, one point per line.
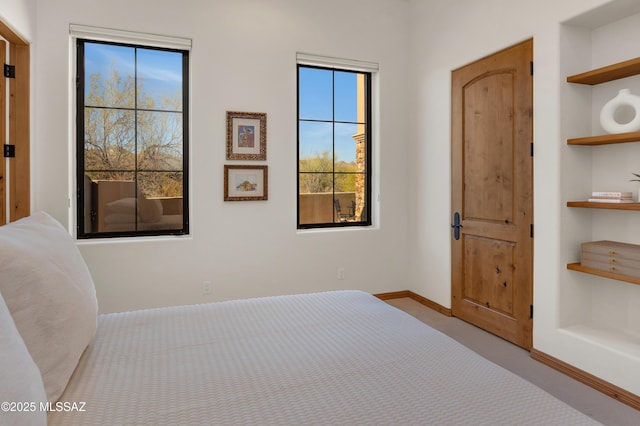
311	231
129	240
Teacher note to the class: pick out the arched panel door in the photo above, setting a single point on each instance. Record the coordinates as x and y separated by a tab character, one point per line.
492	193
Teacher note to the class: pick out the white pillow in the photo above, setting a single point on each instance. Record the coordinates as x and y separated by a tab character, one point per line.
50	294
123	205
149	210
124	210
20	380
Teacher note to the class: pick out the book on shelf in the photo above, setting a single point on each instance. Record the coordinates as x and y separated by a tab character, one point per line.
611	194
610	200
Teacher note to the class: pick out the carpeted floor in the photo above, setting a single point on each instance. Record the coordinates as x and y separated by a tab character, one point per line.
591	402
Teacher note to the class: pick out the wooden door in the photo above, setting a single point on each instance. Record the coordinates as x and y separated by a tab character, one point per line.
492	193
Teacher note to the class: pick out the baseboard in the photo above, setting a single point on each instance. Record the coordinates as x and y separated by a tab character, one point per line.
393	295
422	300
590	380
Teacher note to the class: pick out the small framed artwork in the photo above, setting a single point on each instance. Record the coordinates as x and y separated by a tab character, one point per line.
246	135
245	183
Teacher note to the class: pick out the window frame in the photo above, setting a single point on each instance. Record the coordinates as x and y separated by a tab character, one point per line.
368	140
137	41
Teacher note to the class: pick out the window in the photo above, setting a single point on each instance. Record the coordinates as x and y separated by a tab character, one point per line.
334	147
132	140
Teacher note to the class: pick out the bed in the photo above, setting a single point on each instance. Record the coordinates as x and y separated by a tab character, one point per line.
338	358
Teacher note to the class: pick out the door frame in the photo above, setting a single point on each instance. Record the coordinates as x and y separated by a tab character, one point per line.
19	127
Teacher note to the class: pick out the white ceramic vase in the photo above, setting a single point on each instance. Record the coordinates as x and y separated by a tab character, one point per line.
607	114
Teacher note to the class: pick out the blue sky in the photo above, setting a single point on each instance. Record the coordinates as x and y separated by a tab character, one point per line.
161	70
320	100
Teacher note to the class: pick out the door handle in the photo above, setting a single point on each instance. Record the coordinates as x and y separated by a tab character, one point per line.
456	225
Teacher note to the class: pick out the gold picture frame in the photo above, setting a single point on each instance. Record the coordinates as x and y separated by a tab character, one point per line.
246	135
245	183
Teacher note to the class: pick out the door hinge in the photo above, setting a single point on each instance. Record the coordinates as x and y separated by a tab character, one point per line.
9	151
9	71
531	149
531	67
531	230
531	311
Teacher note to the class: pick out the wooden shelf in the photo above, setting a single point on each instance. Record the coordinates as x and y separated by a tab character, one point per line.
609	206
578	267
608	73
605	139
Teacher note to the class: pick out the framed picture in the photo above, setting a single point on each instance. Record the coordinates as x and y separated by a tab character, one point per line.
245	183
246	135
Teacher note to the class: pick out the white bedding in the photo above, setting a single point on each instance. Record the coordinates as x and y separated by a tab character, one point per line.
335	358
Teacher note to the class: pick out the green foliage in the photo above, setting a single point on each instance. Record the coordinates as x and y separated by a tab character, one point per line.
119	141
321	174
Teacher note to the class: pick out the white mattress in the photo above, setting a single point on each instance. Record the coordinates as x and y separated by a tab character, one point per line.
335	358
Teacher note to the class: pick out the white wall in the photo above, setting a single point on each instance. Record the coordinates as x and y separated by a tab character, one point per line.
447	34
20	15
243	59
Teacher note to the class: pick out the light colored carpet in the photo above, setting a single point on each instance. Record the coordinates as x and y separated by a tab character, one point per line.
585	399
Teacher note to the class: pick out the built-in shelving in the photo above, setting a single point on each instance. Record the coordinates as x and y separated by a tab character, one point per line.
605	139
593	77
606	274
616	339
596	323
608	206
608	73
